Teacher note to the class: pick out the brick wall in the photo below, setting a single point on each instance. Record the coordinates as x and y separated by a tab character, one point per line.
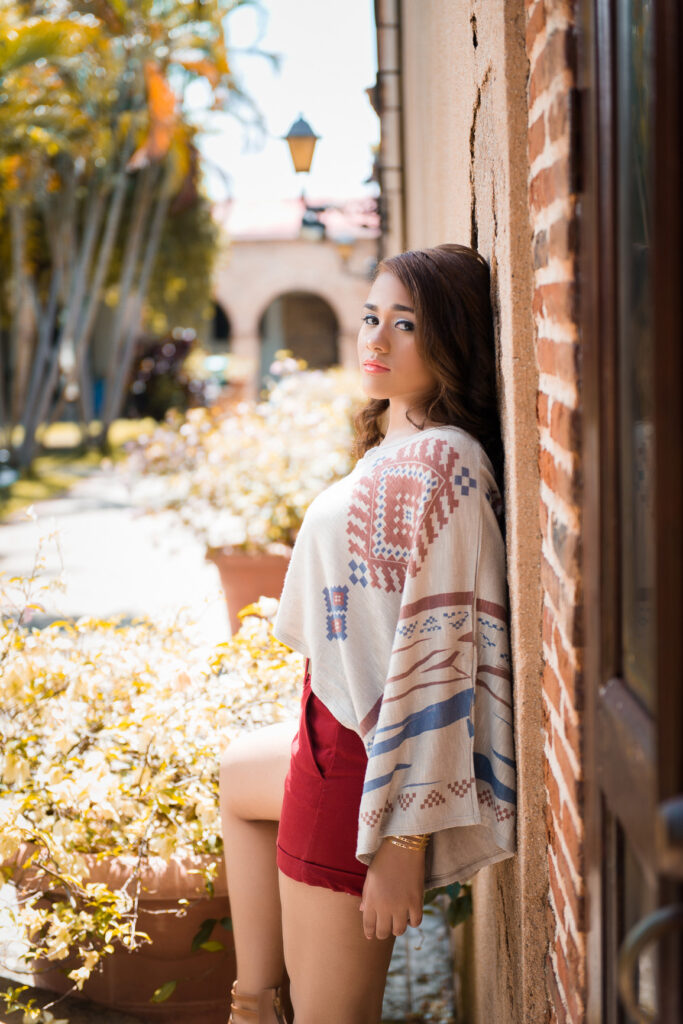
551	49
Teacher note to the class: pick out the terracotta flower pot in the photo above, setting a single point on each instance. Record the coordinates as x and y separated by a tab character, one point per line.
127	980
246	577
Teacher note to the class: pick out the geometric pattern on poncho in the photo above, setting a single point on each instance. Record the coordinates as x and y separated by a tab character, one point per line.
397	511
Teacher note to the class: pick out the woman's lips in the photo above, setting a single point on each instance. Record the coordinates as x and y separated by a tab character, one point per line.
375	368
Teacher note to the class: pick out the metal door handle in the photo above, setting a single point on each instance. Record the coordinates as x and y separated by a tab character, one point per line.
646	931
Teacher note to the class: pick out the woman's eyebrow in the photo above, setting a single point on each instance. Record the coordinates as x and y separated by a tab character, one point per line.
406	309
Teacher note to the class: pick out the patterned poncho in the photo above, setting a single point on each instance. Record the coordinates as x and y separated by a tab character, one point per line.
396	592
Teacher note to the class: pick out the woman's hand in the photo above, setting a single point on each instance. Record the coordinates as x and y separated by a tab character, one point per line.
393	891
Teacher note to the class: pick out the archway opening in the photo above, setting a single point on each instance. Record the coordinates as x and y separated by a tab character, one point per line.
305	324
220	331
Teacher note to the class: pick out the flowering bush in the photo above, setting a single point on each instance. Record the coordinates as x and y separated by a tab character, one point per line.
243	479
110	741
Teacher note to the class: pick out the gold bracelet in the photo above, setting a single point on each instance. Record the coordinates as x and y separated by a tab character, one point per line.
415	843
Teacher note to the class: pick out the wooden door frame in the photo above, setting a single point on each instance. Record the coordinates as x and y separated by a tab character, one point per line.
614	720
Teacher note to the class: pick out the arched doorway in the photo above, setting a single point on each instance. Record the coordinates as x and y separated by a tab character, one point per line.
220	331
304	323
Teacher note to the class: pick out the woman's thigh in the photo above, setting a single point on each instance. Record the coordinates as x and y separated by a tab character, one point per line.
253	772
337	975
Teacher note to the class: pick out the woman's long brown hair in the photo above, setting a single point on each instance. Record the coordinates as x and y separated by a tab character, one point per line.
450	289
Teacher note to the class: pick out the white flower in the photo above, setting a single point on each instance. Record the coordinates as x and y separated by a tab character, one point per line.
80	975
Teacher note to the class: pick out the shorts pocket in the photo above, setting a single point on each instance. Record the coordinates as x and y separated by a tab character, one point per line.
322	731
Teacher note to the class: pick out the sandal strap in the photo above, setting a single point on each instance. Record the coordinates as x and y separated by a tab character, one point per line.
248	1004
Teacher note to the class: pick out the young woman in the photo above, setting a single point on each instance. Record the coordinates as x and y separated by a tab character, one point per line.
401	774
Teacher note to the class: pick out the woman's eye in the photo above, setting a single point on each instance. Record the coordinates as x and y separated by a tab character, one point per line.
370	318
405	325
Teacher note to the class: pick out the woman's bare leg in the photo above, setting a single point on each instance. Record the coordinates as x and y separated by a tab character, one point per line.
252	780
337	976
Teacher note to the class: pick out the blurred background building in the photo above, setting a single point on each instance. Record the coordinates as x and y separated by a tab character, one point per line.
286	283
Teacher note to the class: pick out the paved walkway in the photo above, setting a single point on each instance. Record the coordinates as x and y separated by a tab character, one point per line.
117	561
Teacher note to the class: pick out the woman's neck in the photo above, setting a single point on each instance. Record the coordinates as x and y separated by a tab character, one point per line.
399	426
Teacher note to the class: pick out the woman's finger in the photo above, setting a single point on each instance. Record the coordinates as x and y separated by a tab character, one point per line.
415	916
383	926
369	923
400	923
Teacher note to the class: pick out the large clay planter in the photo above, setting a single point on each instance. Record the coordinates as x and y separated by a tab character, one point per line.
128	980
245	578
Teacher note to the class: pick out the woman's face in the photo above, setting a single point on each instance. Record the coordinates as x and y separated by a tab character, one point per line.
391	366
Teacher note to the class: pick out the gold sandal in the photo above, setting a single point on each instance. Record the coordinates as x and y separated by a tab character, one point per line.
264	1008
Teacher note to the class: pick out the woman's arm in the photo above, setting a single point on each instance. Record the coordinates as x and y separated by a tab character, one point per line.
393	892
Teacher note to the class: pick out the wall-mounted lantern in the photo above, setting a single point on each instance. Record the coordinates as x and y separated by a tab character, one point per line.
301	140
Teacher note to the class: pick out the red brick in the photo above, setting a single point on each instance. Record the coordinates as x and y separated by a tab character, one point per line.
569	984
548	624
570	676
574	899
566	545
554	798
536	138
557	56
574	736
557	892
565	424
550	582
543	516
569	610
550	183
551	687
557	301
562	237
559	1013
571	837
565	7
542	410
549	824
535	26
576	961
564	484
558	358
541	250
572	786
558	115
560	746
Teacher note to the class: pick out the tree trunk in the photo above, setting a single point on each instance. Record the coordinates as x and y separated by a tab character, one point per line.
82	304
87	320
45	355
152	247
21	321
142	203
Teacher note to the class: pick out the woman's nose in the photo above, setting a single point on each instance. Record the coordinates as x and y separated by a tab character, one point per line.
376	340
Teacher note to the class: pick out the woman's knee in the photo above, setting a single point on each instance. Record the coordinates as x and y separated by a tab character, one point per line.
252	772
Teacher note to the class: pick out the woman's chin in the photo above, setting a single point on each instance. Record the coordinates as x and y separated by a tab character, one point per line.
373	389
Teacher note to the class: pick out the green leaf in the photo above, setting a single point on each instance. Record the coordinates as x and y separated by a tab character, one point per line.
460	909
204	933
212	946
226	922
164	993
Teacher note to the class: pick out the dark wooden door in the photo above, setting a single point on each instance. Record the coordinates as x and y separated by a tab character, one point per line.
630	288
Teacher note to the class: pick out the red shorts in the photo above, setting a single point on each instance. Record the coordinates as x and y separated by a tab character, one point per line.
318	829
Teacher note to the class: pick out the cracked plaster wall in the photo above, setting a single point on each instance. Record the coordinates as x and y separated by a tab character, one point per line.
464	96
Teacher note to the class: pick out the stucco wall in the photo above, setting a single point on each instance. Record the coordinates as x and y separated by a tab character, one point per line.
464	94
